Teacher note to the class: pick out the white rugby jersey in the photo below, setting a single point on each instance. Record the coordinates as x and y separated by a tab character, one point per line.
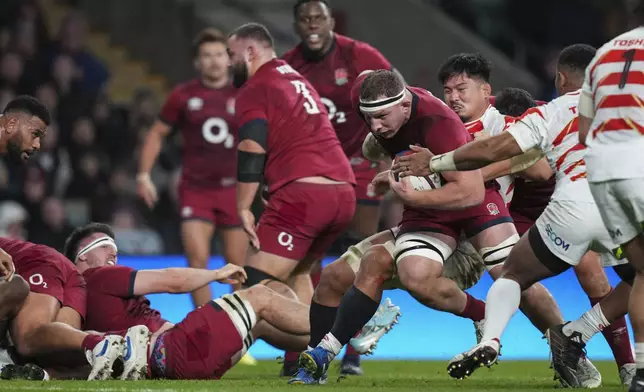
492	123
613	95
553	128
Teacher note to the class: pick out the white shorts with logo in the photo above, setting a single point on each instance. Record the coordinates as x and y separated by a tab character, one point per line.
621	205
571	228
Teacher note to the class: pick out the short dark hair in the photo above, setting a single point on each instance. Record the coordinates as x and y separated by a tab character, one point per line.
514	102
576	57
474	65
205	36
29	105
71	244
381	83
255	31
297	5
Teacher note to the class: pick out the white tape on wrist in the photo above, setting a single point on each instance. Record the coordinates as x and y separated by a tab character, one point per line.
443	162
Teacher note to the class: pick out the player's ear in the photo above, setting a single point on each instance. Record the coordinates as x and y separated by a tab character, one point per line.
11	124
487	89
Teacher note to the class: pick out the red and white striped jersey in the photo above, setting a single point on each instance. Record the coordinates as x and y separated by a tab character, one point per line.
491	124
614	85
553	129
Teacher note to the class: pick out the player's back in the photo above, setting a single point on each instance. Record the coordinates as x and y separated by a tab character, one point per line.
615	81
111	305
25	254
301	140
332	77
205	118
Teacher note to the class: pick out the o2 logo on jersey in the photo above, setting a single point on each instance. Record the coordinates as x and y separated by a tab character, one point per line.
310	105
339	117
37	280
215	130
286	240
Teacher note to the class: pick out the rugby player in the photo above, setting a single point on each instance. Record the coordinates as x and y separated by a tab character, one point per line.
331	62
203	109
555	242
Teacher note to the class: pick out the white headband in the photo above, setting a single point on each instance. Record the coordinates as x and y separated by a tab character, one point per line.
379	104
95	244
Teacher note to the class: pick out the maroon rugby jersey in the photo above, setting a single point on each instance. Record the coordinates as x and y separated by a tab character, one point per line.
332	76
301	139
48	272
111	303
206	119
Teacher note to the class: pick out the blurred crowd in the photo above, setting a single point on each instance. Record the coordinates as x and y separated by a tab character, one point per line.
86	166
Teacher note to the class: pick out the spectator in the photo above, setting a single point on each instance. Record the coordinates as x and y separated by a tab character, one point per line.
13	217
133	238
52	229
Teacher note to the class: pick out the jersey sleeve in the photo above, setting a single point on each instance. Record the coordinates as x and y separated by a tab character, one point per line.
172	108
115	280
531	129
75	293
368	57
249	106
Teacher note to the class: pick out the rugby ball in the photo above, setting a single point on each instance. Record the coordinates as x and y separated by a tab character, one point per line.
420	183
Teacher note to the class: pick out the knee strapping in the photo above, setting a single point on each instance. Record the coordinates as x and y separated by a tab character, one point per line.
496	255
420	245
241	313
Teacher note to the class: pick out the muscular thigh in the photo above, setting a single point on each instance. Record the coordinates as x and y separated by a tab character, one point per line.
494	244
621	205
422	254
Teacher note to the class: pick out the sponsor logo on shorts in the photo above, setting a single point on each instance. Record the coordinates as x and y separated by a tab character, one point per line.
618	253
493	209
558	241
286	240
614	234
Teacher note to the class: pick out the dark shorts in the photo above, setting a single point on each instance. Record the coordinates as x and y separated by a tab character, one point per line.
521	222
218	206
305	219
200	347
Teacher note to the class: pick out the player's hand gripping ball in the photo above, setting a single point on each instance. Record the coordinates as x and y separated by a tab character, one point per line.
417	183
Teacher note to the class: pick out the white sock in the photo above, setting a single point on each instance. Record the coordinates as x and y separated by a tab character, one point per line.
501	304
589	324
331	344
639	355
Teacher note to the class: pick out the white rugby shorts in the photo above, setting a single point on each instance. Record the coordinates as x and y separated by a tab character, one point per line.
621	205
571	228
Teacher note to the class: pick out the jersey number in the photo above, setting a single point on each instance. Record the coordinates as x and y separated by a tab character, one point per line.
221	136
339	117
310	105
629	56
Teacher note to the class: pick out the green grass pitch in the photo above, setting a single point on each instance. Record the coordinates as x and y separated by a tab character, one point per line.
388	376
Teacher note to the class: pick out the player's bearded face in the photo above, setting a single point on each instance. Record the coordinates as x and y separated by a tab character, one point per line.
24	140
466	96
240	73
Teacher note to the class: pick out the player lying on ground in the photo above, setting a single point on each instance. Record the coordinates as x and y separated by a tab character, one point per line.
555	243
46	329
208	341
466	85
400	116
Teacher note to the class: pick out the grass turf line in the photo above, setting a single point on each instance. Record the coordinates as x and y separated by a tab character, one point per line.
391	376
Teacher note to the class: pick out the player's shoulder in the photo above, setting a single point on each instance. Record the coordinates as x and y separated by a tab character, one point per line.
98	273
430	105
183	90
356	45
293	54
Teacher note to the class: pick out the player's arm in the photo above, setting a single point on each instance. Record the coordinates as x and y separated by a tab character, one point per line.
529	165
182	280
463	190
586	106
524	135
372	150
170	114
